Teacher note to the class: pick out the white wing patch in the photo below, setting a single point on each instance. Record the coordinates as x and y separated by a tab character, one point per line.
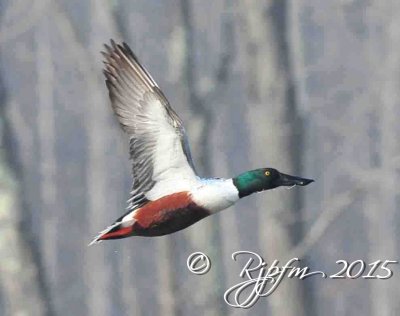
171	171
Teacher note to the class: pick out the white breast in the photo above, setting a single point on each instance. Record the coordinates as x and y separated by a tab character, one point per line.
215	194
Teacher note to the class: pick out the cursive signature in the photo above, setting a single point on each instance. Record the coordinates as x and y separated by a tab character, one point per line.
261	280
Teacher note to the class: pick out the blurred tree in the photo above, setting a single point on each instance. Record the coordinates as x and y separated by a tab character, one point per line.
308	87
21	288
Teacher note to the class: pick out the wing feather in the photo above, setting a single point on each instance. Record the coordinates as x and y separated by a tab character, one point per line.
159	150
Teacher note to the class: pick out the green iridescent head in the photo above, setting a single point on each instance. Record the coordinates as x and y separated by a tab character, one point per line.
265	179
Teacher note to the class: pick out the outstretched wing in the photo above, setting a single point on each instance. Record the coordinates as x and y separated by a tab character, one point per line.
159	148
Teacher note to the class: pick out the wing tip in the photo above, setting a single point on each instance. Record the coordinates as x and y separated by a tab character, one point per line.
117	56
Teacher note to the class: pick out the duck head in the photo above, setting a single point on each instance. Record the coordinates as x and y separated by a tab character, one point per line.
265	179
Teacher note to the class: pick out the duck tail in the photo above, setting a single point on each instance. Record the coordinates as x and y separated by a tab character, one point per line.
119	229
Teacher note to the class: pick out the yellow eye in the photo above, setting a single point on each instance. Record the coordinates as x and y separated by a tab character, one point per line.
267	173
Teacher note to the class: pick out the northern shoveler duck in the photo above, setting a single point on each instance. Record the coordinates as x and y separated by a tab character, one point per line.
167	194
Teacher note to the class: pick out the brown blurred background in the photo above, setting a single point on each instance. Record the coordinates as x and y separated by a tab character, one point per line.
309	87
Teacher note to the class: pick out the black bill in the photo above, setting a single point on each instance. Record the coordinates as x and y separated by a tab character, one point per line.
287	180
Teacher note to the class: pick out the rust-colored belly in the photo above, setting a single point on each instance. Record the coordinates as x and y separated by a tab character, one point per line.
170	221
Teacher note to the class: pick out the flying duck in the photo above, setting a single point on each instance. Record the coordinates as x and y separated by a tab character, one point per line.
167	194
